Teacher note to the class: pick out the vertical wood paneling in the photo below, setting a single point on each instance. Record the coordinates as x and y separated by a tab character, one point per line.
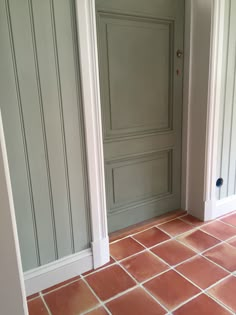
52	204
33	127
11	106
73	123
48	67
227	135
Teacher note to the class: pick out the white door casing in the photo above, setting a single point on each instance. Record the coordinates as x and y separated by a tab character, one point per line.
87	38
202	85
12	296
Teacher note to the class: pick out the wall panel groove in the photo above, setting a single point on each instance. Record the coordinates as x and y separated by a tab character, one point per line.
62	122
8	14
43	124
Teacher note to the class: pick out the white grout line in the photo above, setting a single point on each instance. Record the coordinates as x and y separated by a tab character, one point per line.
139	284
149	228
30	300
146	249
220	302
45	304
60	287
101	303
202	291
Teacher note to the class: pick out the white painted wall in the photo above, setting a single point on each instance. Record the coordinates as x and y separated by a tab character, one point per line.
12	293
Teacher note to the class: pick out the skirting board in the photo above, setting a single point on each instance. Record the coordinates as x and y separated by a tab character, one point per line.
217	208
224	206
58	271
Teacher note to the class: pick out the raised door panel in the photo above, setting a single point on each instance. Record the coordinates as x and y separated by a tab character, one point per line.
136	179
138	51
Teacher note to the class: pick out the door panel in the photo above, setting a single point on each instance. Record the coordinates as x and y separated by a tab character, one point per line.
124	111
141	96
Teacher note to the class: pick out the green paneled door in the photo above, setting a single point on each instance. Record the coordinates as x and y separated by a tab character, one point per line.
41	104
141	95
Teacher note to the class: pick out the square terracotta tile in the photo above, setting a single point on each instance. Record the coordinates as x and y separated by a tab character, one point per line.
151	237
109	282
124	248
171	289
72	299
198	240
60	284
136	302
202	272
220	230
173	252
175	227
225	292
98	311
231	219
37	307
192	220
111	262
144	266
224	255
201	305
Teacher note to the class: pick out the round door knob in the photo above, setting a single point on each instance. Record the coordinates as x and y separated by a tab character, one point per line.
179	53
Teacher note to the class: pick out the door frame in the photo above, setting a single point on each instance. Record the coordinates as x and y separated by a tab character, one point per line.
202	106
87	39
11	272
212	13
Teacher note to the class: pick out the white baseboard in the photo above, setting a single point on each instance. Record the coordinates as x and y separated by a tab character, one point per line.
225	206
101	254
217	208
58	271
210	209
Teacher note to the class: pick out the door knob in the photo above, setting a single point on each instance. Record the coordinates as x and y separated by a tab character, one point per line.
179	53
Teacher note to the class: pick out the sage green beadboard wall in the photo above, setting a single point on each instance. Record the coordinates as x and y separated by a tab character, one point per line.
40	100
227	135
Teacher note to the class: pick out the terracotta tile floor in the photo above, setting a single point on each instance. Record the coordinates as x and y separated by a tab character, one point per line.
177	265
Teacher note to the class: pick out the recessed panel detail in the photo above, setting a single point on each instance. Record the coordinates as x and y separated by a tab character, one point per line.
138	179
137	74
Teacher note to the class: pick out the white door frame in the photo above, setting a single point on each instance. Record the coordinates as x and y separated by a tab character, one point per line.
12	294
202	87
213	208
204	24
87	38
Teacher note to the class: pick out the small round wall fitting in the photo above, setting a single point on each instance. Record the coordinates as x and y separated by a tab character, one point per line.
219	182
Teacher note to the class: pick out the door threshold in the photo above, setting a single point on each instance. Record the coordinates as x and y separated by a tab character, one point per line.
114	236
